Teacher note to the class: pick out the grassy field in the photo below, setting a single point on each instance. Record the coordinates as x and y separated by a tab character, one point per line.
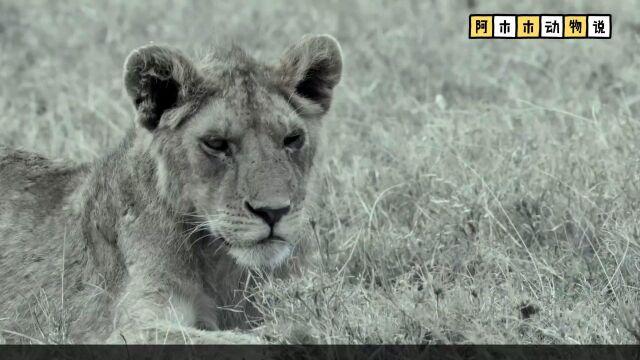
470	191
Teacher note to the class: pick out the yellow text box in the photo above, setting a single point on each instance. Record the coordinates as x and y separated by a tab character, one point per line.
528	26
575	26
480	26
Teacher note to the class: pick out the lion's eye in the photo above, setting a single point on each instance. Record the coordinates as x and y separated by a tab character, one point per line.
294	141
213	145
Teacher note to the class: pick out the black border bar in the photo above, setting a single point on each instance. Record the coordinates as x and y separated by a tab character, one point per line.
325	352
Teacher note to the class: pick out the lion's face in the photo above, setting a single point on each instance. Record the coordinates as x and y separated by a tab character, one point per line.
249	171
237	142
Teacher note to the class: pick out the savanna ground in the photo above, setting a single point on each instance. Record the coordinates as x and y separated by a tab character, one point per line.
471	191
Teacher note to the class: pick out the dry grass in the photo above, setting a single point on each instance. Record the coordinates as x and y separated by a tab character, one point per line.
471	192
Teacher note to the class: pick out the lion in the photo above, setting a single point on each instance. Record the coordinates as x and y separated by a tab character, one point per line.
156	241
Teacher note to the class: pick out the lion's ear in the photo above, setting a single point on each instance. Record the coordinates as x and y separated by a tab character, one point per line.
157	78
309	71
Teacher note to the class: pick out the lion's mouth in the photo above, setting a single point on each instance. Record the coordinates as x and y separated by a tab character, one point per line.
264	241
269	252
269	239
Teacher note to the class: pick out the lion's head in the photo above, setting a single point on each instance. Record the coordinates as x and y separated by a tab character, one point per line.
235	139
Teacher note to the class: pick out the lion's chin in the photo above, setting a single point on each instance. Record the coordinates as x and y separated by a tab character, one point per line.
266	254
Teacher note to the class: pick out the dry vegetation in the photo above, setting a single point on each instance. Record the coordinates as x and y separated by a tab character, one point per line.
470	192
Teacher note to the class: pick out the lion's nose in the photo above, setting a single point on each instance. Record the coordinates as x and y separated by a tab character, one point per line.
271	215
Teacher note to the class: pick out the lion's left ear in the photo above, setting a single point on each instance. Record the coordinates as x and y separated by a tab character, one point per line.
158	79
309	71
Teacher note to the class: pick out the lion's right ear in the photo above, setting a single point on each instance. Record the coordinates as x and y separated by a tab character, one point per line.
158	78
309	71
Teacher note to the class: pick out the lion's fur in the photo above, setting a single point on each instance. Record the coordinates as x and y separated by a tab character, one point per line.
120	249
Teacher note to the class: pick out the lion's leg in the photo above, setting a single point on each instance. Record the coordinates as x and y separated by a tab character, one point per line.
171	334
146	315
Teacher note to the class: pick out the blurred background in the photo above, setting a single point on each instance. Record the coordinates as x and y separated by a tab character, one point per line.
471	191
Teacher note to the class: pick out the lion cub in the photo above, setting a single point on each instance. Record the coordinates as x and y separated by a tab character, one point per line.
152	242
